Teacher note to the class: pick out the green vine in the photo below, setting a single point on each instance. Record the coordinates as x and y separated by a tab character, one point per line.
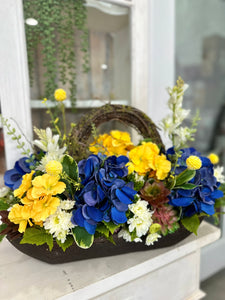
14	137
55	35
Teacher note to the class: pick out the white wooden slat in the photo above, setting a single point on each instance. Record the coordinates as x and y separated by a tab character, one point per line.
14	83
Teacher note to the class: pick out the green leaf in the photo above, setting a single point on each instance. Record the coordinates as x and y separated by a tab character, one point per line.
191	223
3	205
82	238
111	240
70	167
68	242
186	186
37	236
101	228
2	227
185	176
111	226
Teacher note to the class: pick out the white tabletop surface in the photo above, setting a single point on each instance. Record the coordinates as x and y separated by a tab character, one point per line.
23	277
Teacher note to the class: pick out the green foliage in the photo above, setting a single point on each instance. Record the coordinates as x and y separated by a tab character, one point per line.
186	186
60	25
2	227
101	228
70	167
70	174
184	177
11	131
37	236
3	204
111	226
68	242
82	238
191	223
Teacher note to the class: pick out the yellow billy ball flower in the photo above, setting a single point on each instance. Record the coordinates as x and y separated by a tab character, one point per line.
53	168
213	158
193	162
60	95
154	228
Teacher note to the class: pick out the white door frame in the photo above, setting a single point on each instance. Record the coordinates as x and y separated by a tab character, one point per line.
14	82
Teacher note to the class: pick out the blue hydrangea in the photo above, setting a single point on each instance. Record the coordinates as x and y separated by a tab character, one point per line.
202	197
13	177
105	196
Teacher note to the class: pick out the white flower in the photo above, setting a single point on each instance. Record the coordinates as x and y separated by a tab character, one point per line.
151	238
4	191
140	209
59	224
218	173
142	219
67	204
49	144
127	237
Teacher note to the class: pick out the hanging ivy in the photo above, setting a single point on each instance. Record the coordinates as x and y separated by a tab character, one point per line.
56	33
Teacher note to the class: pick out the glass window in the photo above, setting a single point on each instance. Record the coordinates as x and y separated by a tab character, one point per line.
200	61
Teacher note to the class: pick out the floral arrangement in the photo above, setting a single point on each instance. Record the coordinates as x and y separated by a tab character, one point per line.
138	192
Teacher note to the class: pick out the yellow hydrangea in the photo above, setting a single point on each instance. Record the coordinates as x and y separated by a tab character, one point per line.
146	158
193	162
214	158
20	215
25	185
60	95
47	185
116	143
54	168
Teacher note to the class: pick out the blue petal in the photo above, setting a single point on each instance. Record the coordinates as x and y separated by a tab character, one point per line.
123	197
89	228
84	211
208	209
104	206
94	213
129	192
184	201
17	184
77	217
11	177
216	194
185	193
101	194
122	159
23	166
120	205
88	198
118	216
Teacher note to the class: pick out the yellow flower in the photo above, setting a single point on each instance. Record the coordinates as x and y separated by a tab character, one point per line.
20	215
44	100
145	158
162	166
60	95
25	185
154	228
115	143
47	185
44	207
193	162
213	158
53	168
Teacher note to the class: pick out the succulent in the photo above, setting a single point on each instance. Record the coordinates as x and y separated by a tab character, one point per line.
167	217
155	193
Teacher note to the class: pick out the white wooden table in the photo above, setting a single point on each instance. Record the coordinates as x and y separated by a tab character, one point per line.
169	273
